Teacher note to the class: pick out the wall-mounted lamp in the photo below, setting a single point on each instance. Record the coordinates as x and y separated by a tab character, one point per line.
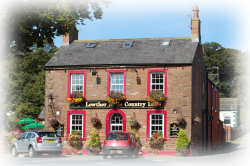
57	113
138	80
174	111
51	99
98	80
94	72
134	70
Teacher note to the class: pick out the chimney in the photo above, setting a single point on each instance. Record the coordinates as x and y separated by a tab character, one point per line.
195	25
68	38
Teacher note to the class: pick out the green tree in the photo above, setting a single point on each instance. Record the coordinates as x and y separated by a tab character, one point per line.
38	23
222	65
27	83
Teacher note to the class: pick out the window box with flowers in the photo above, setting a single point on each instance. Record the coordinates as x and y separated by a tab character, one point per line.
76	100
156	141
157	98
116	99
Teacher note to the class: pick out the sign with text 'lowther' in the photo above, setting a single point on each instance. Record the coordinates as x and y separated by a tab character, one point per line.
103	104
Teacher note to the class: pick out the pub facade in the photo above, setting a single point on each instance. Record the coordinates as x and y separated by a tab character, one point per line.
133	68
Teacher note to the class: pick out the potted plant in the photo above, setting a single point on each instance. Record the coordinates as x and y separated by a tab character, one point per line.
76	99
156	141
138	144
157	98
182	143
93	143
116	98
75	140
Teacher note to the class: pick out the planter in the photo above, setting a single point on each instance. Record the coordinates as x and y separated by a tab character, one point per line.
182	152
158	104
94	150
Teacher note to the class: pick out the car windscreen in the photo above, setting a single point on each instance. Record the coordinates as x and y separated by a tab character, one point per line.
47	134
117	136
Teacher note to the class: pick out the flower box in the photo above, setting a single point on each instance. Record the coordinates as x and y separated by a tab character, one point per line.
76	100
157	99
116	99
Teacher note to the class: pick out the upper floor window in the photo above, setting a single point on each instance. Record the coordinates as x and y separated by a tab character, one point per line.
157	80
116	81
76	82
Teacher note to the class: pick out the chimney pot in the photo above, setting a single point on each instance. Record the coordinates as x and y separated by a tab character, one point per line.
195	24
69	37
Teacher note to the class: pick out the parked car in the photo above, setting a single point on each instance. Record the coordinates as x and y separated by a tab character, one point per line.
119	144
37	142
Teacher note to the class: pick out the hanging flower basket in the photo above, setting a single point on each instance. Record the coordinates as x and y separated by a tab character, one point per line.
134	124
76	100
96	122
157	98
115	99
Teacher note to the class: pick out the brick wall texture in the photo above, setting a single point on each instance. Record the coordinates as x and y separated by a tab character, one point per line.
184	93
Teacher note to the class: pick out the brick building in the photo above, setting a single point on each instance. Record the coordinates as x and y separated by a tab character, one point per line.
134	67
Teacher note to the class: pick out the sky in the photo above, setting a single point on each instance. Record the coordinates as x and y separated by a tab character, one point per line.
221	21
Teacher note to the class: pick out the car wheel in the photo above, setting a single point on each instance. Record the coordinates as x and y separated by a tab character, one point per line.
14	151
32	152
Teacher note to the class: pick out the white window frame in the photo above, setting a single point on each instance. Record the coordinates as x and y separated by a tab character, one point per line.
150	125
117	84
151	81
71	125
114	124
71	83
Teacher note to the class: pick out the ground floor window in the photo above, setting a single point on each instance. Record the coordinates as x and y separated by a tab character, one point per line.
174	130
76	122
115	121
156	123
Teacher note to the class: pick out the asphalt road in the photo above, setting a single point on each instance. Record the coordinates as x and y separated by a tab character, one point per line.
236	154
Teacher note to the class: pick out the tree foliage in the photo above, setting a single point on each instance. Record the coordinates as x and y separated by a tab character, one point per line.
223	67
36	24
27	83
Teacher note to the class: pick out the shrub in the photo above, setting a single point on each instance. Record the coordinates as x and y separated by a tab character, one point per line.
93	141
182	141
75	139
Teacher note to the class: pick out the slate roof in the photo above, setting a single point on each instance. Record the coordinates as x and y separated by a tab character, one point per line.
111	52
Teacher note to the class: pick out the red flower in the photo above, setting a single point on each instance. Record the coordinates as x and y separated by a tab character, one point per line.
155	135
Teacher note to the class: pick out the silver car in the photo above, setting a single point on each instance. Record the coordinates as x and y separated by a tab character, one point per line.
36	142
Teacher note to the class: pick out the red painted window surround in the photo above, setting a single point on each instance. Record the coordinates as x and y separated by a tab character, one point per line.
124	81
69	80
84	122
155	71
164	112
108	120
